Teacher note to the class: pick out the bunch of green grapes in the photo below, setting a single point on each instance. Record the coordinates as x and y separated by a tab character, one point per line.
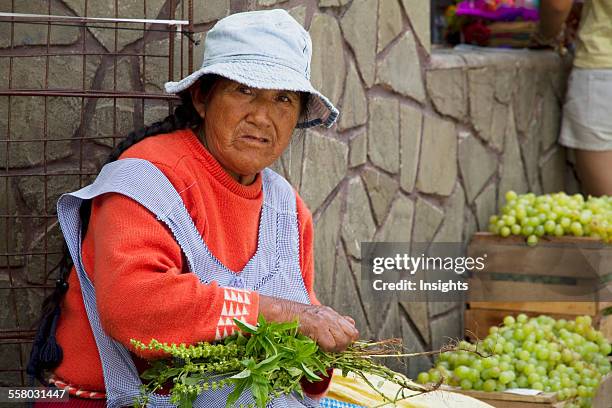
556	214
565	357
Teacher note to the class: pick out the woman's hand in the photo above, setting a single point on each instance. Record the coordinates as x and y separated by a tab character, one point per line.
332	331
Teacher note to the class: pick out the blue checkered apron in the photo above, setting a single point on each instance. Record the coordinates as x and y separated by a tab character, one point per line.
274	270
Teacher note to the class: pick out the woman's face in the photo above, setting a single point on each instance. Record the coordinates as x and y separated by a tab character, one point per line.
246	129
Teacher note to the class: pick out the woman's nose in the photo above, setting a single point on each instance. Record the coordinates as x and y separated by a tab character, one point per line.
259	114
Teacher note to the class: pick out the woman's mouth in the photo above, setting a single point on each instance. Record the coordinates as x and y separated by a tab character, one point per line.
256	139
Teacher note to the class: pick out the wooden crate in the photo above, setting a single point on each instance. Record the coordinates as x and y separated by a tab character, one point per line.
580	260
602	399
508	400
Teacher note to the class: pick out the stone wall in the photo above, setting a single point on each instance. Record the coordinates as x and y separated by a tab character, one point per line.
427	142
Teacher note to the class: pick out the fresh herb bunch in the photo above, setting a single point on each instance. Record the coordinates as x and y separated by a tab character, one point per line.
270	360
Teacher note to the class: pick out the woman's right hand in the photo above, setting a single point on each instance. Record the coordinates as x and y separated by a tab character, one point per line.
332	331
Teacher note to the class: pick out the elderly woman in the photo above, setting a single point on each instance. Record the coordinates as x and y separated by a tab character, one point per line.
188	229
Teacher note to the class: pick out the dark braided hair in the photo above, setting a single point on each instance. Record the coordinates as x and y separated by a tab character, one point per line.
46	353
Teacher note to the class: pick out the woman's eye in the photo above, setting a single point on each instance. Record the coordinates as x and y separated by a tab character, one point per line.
245	90
284	98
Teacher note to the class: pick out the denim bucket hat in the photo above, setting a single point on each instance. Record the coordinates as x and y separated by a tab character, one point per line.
263	49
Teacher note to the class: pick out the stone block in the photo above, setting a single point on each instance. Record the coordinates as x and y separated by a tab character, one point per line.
454	219
9	354
470	226
38	267
125	79
550	120
553	172
155	110
292	160
28	72
400	70
411	121
389	22
427	219
438	164
332	3
299	13
482	90
477	165
327	229
387	326
381	189
111	119
446	87
32	191
505	83
383	131
358	147
126	9
524	97
398	227
531	156
417	313
359	29
446	329
419	16
512	171
27	122
66	72
13	235
412	344
155	72
486	206
325	164
29	303
267	3
209	10
358	224
438	308
327	52
499	122
354	102
346	296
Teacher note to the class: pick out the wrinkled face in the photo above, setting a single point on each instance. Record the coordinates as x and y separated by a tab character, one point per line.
246	129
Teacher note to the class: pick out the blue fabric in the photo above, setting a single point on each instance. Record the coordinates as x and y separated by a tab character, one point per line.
273	271
332	403
265	49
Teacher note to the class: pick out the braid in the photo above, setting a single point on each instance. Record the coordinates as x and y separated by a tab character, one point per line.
46	353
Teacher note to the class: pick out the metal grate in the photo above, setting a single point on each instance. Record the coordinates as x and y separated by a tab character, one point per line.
70	88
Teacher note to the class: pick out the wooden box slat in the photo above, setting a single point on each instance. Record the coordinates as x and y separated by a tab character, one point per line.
565	256
507	291
565	308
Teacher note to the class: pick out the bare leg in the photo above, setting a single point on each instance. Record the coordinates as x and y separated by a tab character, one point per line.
595	171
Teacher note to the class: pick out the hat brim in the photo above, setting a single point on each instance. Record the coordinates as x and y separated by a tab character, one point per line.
258	74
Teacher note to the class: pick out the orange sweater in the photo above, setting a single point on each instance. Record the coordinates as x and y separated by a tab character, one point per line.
137	267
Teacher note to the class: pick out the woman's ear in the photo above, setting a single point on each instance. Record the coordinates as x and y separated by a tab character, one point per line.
198	99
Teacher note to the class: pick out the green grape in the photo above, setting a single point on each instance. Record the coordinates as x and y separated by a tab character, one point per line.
532	240
465	384
506	376
549	226
509	321
423	378
462	372
504	231
489	385
565	357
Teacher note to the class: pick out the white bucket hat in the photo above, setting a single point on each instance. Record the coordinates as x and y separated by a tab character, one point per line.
266	50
